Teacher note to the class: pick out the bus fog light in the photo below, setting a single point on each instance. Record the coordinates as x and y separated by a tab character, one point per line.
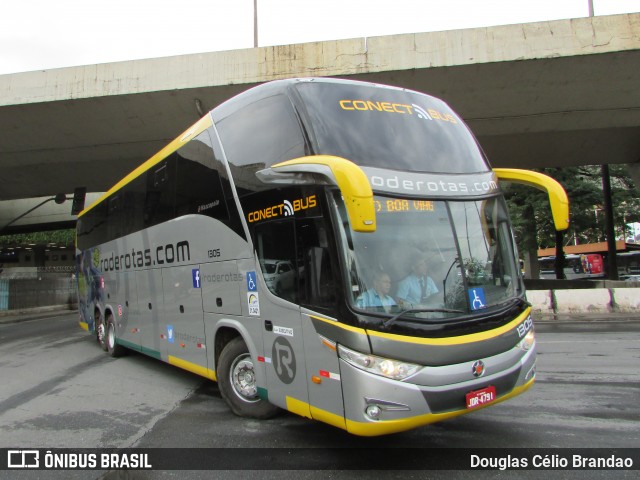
373	412
531	373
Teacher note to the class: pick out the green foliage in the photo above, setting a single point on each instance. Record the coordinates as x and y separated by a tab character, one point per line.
531	214
60	237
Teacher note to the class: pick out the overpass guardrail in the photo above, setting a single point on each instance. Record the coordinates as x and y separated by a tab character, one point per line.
553	298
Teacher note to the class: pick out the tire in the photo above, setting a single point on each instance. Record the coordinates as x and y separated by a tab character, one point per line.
113	348
236	379
101	331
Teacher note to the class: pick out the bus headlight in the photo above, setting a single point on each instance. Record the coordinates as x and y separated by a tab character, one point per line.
527	342
386	367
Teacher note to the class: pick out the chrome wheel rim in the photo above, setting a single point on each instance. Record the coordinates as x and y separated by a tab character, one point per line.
100	331
111	336
243	379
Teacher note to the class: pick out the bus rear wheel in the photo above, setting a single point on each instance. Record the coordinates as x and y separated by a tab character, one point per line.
113	348
237	382
101	333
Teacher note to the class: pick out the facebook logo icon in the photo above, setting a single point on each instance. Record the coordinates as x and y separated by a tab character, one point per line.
195	274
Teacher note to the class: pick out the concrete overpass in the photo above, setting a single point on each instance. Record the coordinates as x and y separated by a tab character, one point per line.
541	94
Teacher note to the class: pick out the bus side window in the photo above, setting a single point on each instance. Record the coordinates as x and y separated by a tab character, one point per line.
133	206
258	135
199	187
93	227
115	216
276	254
319	281
160	198
320	285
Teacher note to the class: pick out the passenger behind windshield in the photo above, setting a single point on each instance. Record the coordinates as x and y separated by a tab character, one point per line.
378	296
417	287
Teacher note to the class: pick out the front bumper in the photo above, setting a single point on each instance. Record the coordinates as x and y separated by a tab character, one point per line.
431	395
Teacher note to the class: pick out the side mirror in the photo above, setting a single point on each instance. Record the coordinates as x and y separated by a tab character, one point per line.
557	195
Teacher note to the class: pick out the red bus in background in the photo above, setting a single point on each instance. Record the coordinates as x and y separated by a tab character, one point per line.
576	267
592	264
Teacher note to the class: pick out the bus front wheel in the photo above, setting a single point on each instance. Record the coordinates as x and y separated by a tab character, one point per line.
237	382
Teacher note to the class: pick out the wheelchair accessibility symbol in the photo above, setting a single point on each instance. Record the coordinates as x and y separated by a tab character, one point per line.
477	299
252	285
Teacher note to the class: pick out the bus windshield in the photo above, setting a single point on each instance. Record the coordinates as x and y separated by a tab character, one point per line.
431	259
378	127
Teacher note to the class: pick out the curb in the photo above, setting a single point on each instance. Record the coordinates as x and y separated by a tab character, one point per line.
17	316
581	318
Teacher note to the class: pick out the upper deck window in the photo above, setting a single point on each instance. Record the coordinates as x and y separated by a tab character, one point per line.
389	128
259	135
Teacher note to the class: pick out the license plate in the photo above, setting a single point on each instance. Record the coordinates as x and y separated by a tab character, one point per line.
481	397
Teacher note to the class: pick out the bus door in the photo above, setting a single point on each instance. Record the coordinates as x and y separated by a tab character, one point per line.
319	292
278	308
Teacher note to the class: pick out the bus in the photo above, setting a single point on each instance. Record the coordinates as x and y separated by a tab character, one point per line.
242	252
629	265
592	266
576	267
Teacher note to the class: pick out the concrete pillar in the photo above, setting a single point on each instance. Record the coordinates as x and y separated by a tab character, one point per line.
39	254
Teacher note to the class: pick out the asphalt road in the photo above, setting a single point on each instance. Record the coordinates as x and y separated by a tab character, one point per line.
59	389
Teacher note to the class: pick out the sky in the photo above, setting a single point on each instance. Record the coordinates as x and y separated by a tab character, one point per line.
46	34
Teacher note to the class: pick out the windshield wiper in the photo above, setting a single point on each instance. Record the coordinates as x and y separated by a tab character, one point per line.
392	320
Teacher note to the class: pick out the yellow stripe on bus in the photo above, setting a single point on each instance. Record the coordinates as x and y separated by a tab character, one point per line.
298	407
192	367
335	323
369	429
328	417
461	340
196	129
384	427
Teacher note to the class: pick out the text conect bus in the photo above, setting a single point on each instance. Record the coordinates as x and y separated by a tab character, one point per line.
337	249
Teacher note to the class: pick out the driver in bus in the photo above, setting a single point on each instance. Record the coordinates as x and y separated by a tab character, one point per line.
378	296
416	287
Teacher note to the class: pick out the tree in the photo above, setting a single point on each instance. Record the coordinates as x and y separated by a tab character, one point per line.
62	237
531	214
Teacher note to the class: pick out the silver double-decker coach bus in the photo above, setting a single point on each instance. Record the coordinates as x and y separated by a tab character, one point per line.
337	249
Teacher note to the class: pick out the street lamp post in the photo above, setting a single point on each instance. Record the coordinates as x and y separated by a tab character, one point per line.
255	23
612	263
60	198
